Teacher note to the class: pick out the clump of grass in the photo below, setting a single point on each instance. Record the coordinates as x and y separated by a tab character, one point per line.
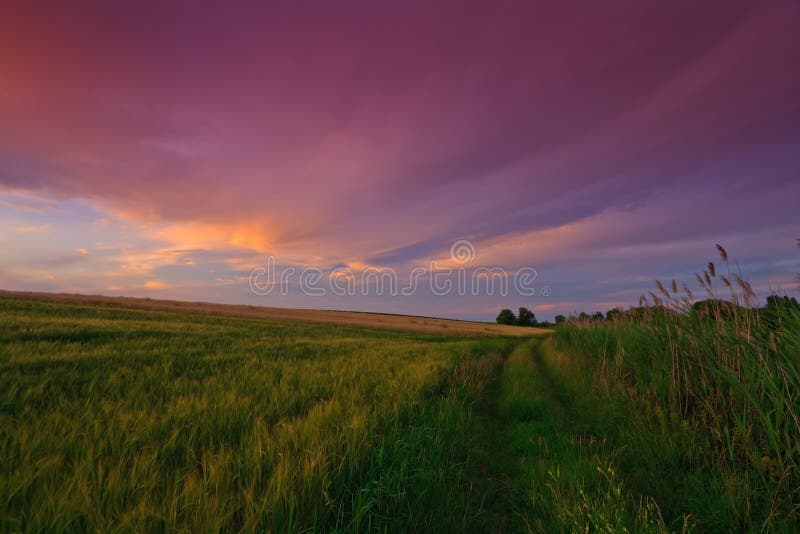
601	508
707	389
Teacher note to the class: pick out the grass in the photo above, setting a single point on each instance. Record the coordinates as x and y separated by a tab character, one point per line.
114	419
565	475
671	418
700	402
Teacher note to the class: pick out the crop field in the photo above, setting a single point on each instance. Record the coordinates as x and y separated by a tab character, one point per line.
433	325
116	418
121	419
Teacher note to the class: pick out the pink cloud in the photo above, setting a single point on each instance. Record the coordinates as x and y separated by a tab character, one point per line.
381	133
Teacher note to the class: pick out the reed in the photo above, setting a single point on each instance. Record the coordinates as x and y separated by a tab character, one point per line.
708	390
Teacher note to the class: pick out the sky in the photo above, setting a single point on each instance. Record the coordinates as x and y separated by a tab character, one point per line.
169	149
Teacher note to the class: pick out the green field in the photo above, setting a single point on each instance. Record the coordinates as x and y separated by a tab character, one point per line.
119	419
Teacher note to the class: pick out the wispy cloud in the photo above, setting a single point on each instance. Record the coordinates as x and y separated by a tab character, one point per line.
543	137
31	229
29	205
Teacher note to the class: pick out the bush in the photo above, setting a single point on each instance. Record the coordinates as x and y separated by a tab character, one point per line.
526	317
506	316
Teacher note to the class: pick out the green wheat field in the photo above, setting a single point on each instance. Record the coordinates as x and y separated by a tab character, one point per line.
130	420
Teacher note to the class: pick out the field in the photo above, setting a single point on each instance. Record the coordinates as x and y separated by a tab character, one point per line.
117	417
139	419
370	320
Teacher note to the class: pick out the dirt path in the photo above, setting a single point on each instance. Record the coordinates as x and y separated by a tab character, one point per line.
494	463
541	467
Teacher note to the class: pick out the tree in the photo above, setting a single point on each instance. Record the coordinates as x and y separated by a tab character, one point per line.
506	316
597	316
716	309
526	317
614	313
778	308
775	302
560	319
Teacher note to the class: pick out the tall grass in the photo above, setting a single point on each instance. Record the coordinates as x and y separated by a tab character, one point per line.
133	420
704	400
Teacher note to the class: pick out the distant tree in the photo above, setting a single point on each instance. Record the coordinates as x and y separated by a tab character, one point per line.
597	316
777	309
526	317
583	317
544	324
560	319
506	316
775	302
715	308
613	314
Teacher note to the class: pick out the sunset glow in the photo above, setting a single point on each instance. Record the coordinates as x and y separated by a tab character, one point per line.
167	151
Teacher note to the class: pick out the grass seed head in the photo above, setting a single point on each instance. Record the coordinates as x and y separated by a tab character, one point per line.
700	280
660	287
688	291
722	252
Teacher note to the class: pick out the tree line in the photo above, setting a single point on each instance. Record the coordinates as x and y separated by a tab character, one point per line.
524	317
723	308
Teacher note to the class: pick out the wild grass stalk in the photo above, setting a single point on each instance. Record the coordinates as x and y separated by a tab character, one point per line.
719	380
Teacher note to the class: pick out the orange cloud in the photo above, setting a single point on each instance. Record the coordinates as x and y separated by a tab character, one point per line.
247	235
30	229
155	284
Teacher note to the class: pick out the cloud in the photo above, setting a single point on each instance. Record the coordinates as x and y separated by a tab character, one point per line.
30	229
29	205
155	284
543	137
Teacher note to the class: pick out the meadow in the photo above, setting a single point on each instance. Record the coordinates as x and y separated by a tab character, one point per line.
120	419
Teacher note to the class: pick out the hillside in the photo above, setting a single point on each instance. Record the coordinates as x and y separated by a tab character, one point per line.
350	318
